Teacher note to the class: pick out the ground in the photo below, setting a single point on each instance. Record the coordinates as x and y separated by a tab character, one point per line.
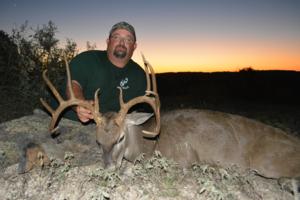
76	171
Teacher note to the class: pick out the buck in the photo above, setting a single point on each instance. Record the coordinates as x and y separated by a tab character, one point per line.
187	135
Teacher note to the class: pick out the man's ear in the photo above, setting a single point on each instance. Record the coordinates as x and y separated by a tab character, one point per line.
137	118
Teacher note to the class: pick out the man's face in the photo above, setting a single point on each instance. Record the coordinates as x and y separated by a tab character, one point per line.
121	44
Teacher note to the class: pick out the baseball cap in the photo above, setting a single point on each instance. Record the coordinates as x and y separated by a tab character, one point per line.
123	25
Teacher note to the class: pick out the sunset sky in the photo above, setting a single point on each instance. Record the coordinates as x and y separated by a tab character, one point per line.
187	35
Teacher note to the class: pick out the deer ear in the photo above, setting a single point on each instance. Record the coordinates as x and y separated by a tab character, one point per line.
137	118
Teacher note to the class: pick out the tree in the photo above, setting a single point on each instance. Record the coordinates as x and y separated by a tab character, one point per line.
24	55
8	61
29	62
247	69
70	49
46	42
38	50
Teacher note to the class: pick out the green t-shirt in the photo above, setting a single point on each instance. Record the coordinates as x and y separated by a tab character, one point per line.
93	70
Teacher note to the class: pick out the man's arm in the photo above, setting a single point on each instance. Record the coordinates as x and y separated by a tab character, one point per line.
83	114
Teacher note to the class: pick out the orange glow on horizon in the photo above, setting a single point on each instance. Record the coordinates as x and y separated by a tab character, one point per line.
165	69
203	56
229	55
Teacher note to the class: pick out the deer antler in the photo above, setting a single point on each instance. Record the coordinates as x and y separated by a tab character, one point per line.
151	97
63	104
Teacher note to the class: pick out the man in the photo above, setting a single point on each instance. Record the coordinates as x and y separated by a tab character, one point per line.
107	70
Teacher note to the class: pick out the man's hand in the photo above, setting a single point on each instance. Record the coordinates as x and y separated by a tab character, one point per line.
83	114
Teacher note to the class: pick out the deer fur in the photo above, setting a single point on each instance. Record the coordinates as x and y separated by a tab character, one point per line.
191	136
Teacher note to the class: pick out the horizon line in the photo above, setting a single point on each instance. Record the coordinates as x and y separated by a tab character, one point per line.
227	71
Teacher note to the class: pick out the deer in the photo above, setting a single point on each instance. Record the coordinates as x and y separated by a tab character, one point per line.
187	136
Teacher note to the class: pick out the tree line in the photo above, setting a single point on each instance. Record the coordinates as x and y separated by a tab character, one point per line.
24	54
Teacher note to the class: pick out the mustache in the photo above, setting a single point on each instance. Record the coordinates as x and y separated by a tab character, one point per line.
121	46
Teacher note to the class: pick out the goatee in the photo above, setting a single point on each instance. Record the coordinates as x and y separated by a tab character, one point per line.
120	51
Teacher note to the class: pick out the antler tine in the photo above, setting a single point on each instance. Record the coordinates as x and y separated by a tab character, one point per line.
147	72
141	99
96	97
153	78
153	101
51	87
155	93
148	67
63	104
69	81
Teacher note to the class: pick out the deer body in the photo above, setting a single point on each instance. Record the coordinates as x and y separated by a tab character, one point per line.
187	136
191	136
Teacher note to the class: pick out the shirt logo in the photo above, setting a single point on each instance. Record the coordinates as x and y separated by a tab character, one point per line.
124	84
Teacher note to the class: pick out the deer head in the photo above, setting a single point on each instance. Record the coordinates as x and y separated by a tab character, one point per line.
114	131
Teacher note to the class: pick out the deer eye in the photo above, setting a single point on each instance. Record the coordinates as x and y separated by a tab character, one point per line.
121	139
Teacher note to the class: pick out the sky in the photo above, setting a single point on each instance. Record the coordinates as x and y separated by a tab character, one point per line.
187	35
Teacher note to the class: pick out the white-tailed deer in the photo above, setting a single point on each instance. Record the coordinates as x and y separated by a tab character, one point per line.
187	136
